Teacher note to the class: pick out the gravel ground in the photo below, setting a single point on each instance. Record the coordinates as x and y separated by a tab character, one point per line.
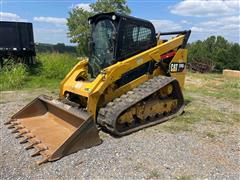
147	154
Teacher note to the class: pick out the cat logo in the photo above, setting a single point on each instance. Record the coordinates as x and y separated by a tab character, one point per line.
177	67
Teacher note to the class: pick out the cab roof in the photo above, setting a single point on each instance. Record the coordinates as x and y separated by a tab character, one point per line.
119	16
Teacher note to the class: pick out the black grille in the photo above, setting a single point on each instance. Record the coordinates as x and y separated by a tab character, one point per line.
134	38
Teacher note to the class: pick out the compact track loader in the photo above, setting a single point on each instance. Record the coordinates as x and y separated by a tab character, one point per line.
131	80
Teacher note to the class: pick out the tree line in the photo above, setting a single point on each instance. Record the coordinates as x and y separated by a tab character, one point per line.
59	48
215	51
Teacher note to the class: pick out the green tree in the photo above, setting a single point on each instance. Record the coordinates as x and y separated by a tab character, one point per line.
79	29
119	6
234	61
218	51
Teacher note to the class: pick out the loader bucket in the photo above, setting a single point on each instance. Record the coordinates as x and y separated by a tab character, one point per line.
53	128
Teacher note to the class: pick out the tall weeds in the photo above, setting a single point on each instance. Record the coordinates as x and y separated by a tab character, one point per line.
56	66
49	70
12	76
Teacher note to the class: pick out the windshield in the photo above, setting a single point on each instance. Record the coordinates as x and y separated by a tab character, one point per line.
102	46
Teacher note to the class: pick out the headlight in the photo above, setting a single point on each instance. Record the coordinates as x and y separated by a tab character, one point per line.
113	17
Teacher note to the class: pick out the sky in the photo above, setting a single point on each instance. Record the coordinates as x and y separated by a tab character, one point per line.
203	17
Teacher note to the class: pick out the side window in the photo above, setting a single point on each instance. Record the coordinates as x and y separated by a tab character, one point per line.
144	34
135	38
135	33
141	34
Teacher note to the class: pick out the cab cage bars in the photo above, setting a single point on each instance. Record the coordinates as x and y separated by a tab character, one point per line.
186	33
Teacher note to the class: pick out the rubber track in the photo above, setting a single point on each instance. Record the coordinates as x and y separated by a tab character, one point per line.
107	116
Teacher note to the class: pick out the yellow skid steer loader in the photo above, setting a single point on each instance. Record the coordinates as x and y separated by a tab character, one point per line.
131	80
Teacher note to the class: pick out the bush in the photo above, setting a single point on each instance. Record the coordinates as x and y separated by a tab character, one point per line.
56	66
12	76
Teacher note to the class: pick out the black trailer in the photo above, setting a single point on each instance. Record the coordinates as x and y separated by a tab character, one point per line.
17	42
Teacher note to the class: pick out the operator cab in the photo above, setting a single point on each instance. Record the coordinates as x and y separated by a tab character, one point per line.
116	37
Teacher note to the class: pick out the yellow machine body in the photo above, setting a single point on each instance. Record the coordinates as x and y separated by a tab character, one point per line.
101	90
